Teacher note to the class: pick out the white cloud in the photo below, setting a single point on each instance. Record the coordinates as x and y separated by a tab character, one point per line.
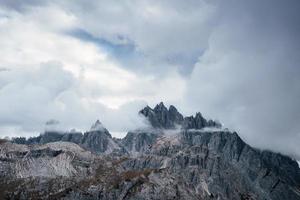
30	98
169	32
54	76
245	75
248	79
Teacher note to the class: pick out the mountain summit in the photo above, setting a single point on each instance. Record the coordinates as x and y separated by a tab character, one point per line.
176	158
97	126
161	117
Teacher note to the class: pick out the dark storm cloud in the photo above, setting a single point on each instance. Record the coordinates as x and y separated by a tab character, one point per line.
249	77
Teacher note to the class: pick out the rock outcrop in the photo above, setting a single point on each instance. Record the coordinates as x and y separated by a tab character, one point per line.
136	142
98	139
161	117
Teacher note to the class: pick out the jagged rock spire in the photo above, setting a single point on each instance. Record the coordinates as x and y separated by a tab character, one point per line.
162	117
97	126
160	107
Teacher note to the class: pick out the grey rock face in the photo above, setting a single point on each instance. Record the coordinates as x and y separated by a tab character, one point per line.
158	163
189	164
199	122
161	117
46	137
50	137
75	137
97	139
139	141
48	160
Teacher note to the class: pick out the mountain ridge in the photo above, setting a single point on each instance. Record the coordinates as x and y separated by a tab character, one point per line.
178	158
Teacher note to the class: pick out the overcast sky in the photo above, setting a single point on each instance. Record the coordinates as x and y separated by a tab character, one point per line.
77	61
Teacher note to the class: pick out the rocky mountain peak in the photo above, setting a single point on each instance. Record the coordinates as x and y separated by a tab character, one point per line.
162	117
173	109
97	126
98	139
163	162
146	111
198	115
160	107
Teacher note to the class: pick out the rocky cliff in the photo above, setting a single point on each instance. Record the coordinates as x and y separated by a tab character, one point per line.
161	117
176	158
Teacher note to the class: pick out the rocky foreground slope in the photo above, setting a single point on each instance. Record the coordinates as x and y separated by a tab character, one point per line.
176	158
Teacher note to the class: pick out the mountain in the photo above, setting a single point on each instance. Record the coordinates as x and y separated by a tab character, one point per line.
138	141
161	117
177	157
97	139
